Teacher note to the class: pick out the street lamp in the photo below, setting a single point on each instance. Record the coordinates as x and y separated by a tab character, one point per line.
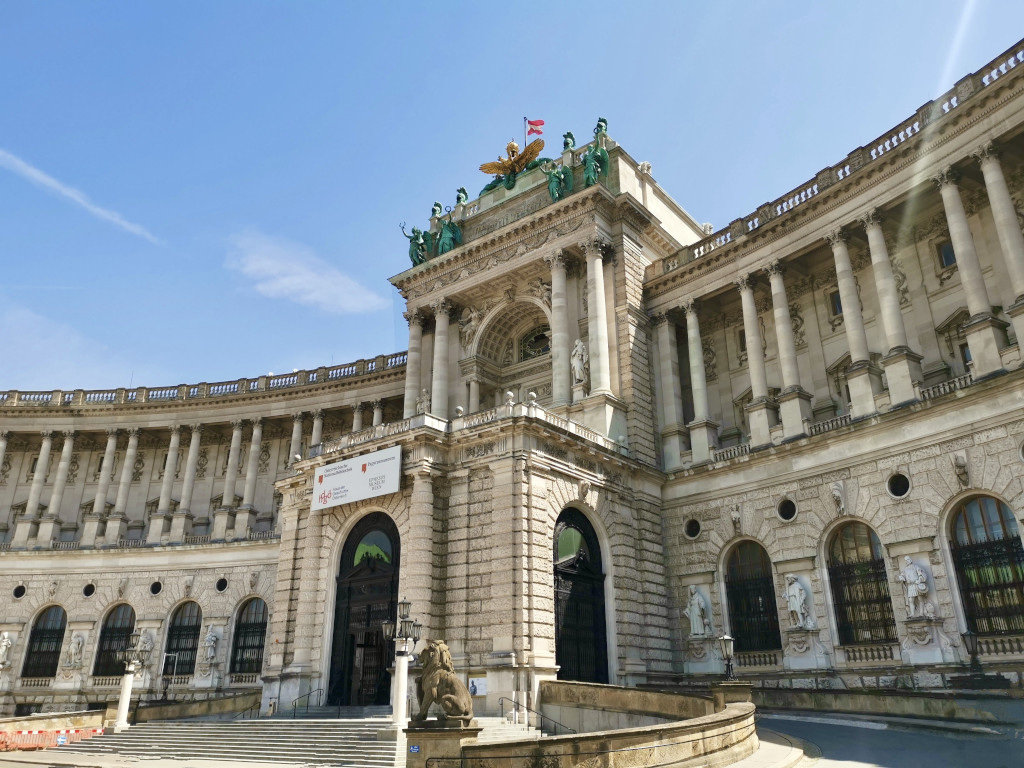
135	655
971	644
726	644
406	633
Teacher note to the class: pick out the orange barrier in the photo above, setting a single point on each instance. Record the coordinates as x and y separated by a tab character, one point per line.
25	740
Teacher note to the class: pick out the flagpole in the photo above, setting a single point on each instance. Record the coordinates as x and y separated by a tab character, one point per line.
524	133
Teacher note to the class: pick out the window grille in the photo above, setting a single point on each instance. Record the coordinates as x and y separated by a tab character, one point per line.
750	592
183	639
860	587
44	643
250	633
114	638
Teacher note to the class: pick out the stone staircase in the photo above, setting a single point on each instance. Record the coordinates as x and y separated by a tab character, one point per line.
334	713
499	729
350	743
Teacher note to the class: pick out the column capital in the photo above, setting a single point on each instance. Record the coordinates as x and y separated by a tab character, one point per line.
987	151
196	428
555	259
69	434
133	432
442	306
175	429
598	245
947	176
298	416
659	318
3	434
359	407
774	268
318	413
835	236
743	282
257	422
237	424
689	305
413	316
112	431
872	218
46	434
378	403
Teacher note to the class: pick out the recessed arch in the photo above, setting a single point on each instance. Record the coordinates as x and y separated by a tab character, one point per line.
750	597
44	643
505	323
859	585
115	633
183	639
249	637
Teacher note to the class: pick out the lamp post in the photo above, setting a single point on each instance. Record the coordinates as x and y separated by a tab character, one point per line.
971	644
133	656
406	633
726	644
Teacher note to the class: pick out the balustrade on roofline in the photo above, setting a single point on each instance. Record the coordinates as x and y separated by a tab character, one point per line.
859	158
205	390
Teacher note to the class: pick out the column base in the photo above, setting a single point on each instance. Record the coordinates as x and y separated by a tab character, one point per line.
795	405
24	532
703	440
986	335
180	521
673	443
703	657
157	523
47	527
436	739
1016	314
221	519
605	415
90	526
864	381
762	415
243	522
903	373
116	525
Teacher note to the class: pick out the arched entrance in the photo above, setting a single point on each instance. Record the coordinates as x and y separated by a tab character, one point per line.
580	634
367	597
750	593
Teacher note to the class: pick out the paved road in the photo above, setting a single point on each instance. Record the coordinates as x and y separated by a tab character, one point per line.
856	744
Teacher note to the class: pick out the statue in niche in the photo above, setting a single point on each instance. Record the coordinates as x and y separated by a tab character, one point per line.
915	587
580	363
568	141
5	649
461	196
796	603
418	245
73	657
210	645
697	612
423	402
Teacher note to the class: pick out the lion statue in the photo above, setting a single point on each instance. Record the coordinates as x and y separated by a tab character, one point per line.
438	683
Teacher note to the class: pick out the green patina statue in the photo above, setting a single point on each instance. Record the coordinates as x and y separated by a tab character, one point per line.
568	141
601	130
559	180
435	210
461	196
449	237
419	245
595	160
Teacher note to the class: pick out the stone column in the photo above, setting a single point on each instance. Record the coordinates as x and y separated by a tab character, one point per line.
474	394
794	401
902	365
49	527
357	417
378	412
863	379
318	427
413	363
23	530
703	431
439	377
672	434
91	522
1011	240
163	508
597	321
227	502
3	445
418	565
183	515
560	378
117	521
985	334
296	444
244	517
761	413
306	613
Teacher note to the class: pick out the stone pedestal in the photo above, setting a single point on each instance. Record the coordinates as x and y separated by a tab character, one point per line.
762	415
703	440
437	739
48	527
986	335
730	692
902	372
702	656
90	525
795	405
579	393
864	381
803	650
180	526
1016	313
221	520
602	413
116	525
926	643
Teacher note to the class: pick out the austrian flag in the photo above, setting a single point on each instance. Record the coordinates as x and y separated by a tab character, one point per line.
533	126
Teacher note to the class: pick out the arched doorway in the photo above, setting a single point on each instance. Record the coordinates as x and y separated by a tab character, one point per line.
750	594
989	562
860	587
580	633
44	643
367	597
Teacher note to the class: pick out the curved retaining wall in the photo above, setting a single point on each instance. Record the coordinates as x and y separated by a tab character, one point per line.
680	730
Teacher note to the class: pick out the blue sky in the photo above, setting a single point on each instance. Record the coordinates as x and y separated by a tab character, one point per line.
199	191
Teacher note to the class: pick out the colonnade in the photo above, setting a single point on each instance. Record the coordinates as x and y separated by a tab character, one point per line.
594	252
984	333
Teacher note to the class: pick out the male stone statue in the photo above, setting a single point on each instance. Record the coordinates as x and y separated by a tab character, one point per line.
5	648
796	602
210	644
697	613
915	587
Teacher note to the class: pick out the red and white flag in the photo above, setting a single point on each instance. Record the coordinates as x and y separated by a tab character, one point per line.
533	126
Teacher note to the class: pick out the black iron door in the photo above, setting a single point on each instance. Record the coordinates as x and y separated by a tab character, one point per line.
580	637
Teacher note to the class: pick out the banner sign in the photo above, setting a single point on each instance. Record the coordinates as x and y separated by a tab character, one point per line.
373	474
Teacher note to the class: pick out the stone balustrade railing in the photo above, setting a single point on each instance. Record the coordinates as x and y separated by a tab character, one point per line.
206	390
945	387
859	158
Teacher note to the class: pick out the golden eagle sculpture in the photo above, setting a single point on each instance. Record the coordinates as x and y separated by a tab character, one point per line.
505	169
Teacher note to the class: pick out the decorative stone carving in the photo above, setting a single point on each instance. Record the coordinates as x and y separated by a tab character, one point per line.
188	585
423	402
202	463
796	603
541	290
696	651
73	655
737	521
51	589
579	362
210	645
138	467
900	277
914	579
796	320
469	324
439	684
5	649
839	496
710	360
254	578
696	611
962	470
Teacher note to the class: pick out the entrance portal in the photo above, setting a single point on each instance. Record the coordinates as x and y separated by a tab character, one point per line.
367	597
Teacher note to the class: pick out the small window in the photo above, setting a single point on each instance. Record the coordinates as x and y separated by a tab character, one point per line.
155	588
374	544
89	590
692	528
835	304
946	254
222	584
787	509
898	485
965	355
35	462
570	543
19	592
743	340
99	464
535	343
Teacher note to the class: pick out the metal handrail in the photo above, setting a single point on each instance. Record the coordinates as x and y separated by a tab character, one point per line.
244	714
514	703
319	698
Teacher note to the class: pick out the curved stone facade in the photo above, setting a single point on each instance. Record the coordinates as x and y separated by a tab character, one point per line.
772	430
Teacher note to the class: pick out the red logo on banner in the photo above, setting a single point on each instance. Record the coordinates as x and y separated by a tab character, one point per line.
364	469
320	479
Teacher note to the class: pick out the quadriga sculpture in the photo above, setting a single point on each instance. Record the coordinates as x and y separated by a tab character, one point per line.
438	683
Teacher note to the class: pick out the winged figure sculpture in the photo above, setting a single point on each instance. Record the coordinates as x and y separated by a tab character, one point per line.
505	169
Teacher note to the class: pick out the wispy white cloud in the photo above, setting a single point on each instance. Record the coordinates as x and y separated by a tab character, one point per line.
31	173
282	269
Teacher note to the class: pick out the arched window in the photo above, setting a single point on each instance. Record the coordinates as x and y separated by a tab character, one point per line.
250	632
860	589
114	637
44	643
750	592
989	563
183	639
580	634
